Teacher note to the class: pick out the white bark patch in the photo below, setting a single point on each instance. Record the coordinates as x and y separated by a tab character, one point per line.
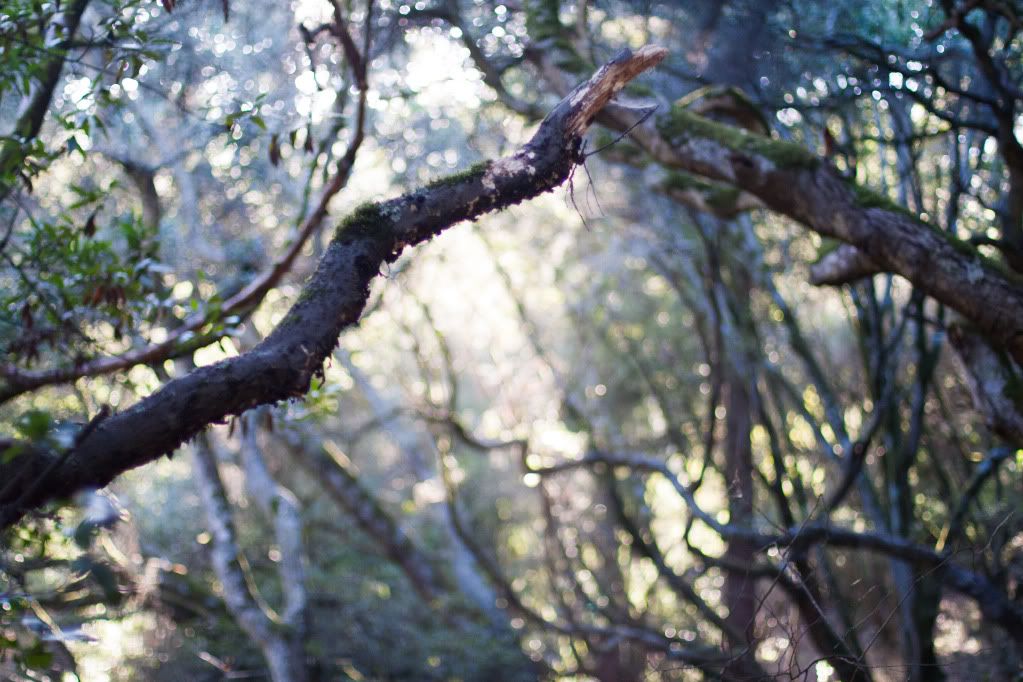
391	212
579	96
974	272
716	156
510	166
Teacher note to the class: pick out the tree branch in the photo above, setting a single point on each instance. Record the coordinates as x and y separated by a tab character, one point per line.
280	648
282	507
994	604
282	366
793	181
322	459
61	31
845	265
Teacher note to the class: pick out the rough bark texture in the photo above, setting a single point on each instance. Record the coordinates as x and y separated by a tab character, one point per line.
792	181
282	366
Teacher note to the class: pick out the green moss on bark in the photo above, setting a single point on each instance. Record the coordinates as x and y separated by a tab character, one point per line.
868	198
680	125
681	181
474	172
865	197
718	196
728	101
367	220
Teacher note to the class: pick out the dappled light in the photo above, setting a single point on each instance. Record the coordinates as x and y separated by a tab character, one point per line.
603	340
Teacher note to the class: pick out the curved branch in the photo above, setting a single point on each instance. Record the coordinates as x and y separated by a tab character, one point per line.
282	366
992	381
845	265
794	182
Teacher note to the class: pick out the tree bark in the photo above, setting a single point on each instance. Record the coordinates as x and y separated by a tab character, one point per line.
793	181
282	366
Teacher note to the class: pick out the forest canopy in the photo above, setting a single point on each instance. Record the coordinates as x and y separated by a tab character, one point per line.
532	339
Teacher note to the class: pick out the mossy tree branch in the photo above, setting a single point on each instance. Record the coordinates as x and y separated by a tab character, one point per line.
793	181
282	365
